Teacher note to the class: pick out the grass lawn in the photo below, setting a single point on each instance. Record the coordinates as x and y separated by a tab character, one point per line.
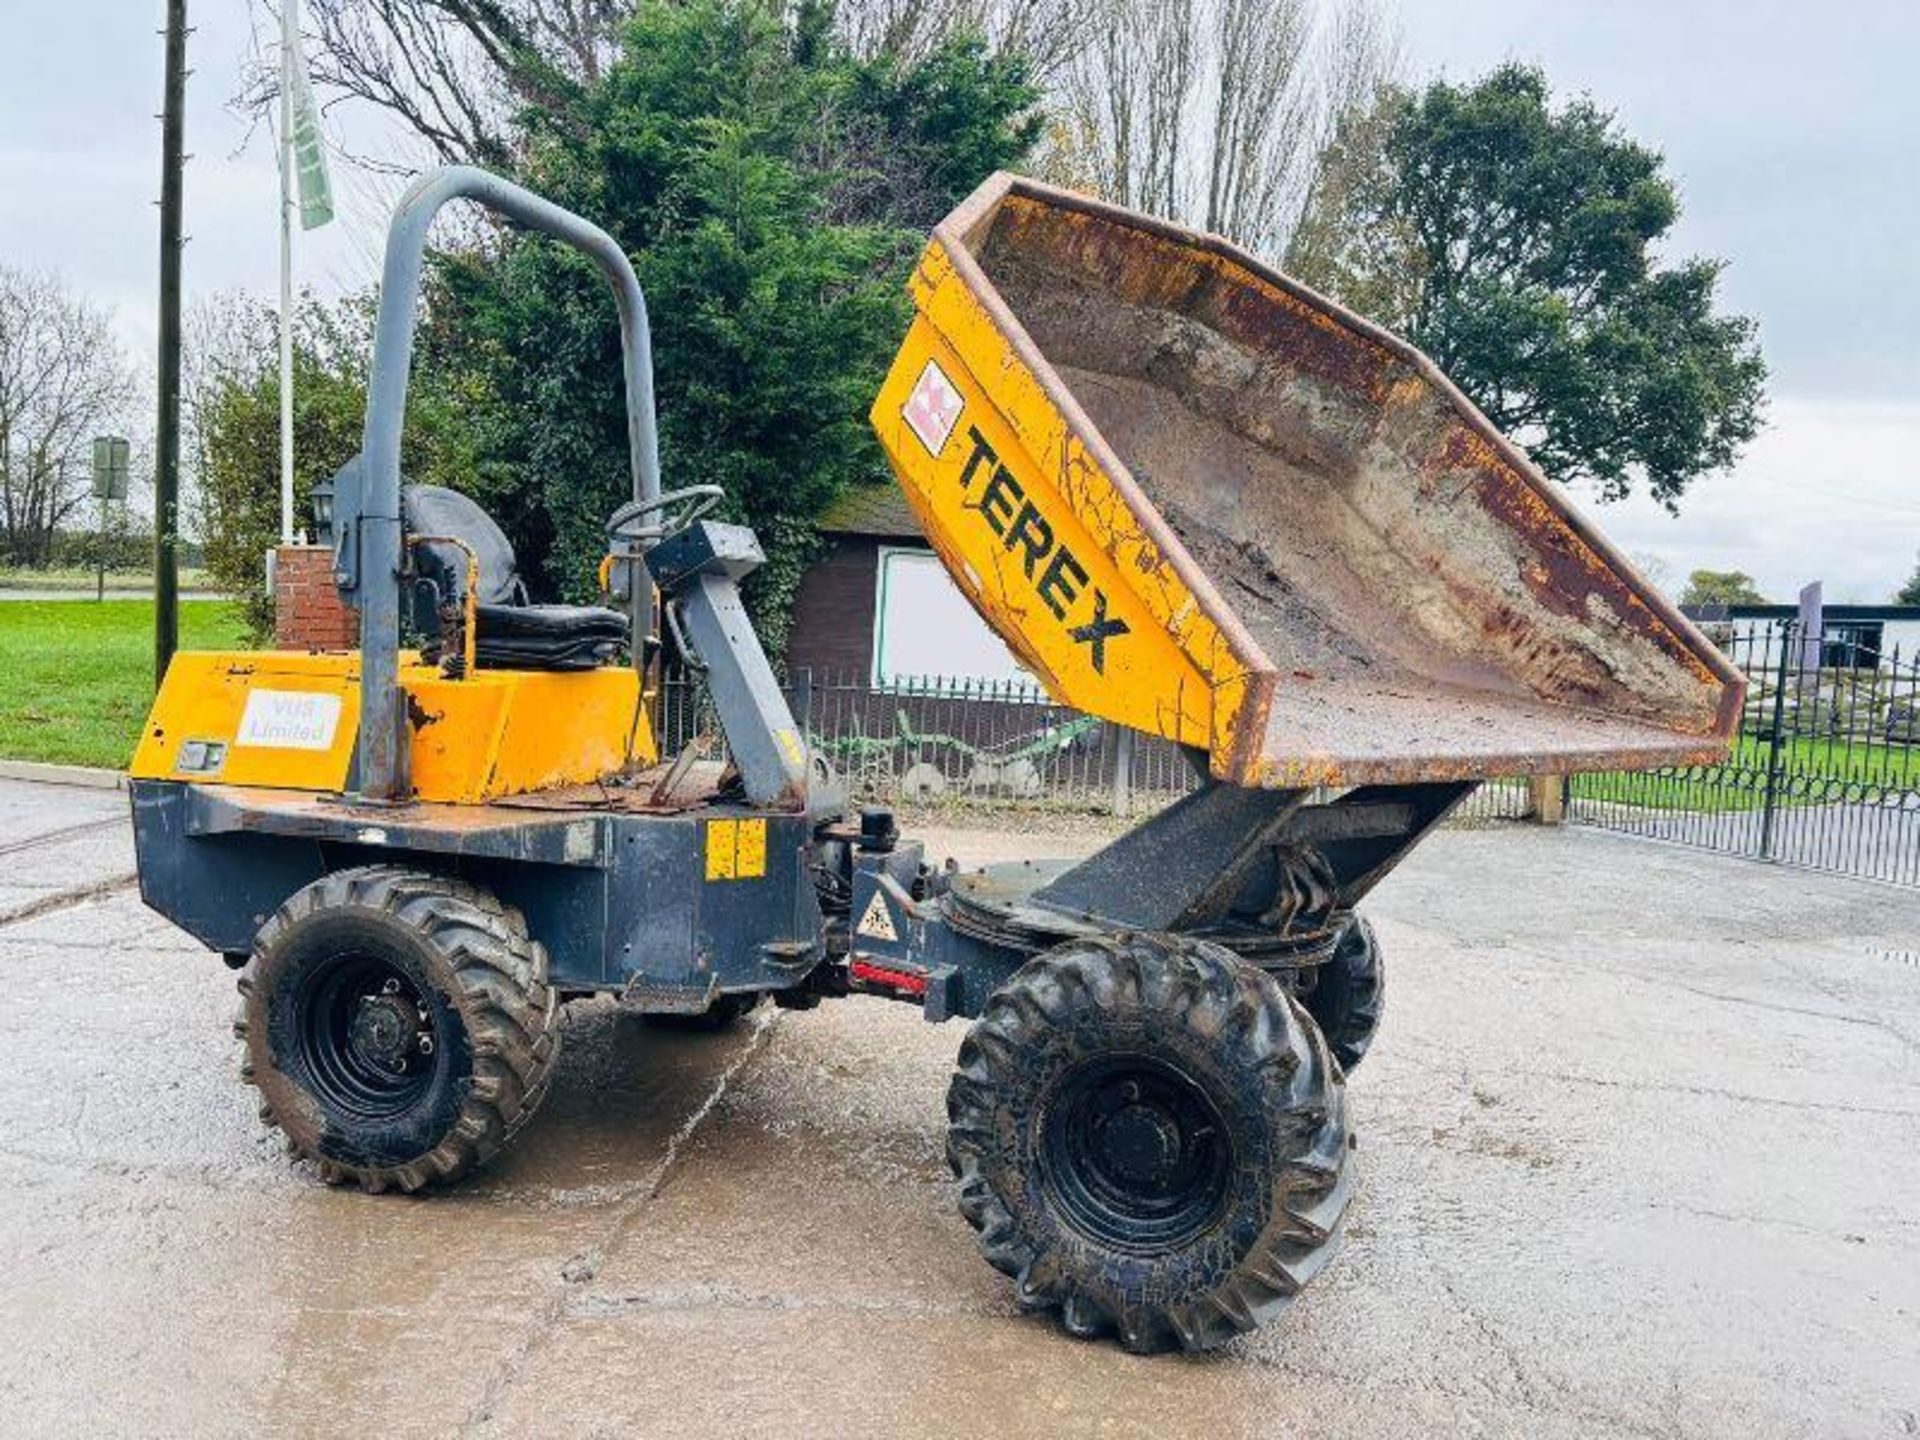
1812	772
76	676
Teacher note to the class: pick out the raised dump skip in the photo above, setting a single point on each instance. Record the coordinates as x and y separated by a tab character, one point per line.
1201	500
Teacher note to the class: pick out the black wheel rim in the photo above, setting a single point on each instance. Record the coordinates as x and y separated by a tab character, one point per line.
1134	1154
369	1041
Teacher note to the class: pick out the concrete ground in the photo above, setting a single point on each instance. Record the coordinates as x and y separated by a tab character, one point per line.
1640	1148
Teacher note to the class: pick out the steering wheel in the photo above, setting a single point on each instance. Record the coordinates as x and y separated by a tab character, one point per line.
645	523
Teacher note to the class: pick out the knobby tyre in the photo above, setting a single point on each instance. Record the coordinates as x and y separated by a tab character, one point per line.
1350	993
1150	1137
399	1026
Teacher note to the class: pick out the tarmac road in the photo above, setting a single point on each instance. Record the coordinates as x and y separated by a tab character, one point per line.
1641	1150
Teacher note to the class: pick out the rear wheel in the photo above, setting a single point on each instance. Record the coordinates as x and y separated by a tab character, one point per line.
398	1025
1150	1138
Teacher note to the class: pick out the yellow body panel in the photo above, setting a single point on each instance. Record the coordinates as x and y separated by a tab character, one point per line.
1034	532
287	721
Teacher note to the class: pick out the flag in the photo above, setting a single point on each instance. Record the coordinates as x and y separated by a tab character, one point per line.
310	177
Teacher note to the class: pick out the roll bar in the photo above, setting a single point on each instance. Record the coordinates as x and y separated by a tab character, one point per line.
368	561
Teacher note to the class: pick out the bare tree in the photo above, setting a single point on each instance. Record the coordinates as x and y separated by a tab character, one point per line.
1367	265
230	338
1047	32
63	380
1218	113
1215	112
453	71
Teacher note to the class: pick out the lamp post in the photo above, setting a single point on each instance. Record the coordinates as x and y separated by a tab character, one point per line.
322	497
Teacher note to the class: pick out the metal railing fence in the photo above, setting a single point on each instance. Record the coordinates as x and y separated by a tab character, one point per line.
1825	772
961	741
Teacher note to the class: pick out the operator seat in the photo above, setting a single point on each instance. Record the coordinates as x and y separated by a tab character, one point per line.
510	634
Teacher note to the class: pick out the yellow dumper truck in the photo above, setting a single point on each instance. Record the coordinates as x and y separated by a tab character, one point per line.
1195	499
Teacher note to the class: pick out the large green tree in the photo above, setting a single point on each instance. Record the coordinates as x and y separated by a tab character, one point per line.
772	190
1909	593
234	416
1721	587
1515	241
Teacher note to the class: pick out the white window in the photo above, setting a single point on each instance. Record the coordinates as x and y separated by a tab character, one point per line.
925	631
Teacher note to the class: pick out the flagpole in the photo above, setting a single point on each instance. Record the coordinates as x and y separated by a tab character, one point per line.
287	40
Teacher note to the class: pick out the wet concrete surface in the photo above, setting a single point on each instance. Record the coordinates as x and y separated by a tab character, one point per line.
1640	1147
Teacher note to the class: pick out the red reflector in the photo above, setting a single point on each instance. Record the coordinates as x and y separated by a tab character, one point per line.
907	981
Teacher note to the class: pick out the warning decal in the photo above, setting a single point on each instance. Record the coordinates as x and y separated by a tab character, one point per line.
878	919
933	409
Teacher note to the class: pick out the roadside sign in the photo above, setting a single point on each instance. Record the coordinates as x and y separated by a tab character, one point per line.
110	455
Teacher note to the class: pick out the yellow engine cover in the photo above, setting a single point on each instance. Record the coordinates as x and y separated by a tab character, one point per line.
288	721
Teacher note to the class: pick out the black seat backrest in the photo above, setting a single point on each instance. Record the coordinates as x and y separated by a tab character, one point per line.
436	510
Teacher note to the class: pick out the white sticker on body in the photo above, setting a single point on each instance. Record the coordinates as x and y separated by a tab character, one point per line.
933	409
289	720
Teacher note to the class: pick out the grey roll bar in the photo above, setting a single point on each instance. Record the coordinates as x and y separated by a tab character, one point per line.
377	524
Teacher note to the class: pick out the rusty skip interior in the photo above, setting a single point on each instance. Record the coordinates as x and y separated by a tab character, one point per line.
1428	606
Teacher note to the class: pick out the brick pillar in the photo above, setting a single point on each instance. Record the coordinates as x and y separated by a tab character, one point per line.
308	613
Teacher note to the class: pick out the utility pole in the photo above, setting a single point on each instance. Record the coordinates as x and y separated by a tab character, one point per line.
166	475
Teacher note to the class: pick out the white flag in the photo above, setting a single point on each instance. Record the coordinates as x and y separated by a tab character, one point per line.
314	186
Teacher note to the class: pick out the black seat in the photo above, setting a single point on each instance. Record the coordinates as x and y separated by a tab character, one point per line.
509	634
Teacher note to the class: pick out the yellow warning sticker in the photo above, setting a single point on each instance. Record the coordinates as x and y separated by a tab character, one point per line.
722	840
750	850
736	849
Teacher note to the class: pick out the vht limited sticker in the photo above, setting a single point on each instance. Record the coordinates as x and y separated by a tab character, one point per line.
289	720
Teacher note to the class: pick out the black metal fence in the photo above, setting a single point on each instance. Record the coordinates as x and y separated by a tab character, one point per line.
973	741
958	740
1825	773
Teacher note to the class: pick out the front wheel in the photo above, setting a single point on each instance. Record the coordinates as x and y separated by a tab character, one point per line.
1349	993
1151	1138
399	1026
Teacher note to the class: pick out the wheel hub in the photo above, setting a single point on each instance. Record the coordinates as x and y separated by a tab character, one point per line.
385	1030
366	1037
1141	1145
1135	1153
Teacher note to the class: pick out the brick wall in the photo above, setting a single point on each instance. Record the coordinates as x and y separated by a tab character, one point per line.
833	611
308	613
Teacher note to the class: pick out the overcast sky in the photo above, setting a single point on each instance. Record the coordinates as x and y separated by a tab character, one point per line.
1790	129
